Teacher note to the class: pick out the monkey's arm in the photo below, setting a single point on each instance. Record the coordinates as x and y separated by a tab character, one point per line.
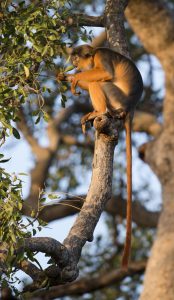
82	79
92	75
89	76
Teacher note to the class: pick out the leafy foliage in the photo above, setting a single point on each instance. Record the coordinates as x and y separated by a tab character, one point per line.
10	207
31	37
14	229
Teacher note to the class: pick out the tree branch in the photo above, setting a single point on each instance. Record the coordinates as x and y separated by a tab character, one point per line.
116	206
114	23
160	19
85	20
88	285
100	188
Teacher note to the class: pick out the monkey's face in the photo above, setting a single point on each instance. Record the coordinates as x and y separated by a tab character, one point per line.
75	60
82	63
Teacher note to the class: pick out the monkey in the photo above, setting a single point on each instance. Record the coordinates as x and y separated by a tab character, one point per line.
115	86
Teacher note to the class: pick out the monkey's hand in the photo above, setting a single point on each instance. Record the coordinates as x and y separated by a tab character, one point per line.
71	79
74	82
61	77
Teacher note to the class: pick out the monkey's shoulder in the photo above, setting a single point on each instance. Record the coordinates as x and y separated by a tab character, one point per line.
111	61
106	53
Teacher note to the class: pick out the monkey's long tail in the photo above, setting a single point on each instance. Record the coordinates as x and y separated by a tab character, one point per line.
127	246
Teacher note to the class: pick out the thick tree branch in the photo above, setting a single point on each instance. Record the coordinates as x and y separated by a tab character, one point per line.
153	21
88	285
49	246
114	23
148	19
85	20
30	269
54	274
100	188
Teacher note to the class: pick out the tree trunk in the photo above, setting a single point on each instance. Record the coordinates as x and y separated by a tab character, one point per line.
159	279
153	21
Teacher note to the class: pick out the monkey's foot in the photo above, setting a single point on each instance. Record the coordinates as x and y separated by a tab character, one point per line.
86	118
84	128
119	114
73	91
89	118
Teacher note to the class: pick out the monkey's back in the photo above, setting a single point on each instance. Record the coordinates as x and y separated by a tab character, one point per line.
125	73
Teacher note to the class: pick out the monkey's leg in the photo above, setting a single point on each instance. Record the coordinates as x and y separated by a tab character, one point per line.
84	85
98	100
118	103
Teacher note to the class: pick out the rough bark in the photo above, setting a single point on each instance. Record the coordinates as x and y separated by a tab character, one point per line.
100	189
114	23
153	21
159	278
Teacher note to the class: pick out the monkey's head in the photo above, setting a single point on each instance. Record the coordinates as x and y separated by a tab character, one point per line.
82	57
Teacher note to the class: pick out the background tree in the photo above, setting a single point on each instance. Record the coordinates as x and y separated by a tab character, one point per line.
34	36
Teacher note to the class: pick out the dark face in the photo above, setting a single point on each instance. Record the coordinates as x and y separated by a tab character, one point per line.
82	57
81	63
75	60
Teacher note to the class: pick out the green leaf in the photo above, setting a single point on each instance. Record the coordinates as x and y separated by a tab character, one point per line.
38	119
27	71
34	231
52	196
69	68
13	237
33	213
23	174
37	48
35	112
46	117
45	50
51	51
51	261
19	205
16	133
63	100
42	200
2	161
